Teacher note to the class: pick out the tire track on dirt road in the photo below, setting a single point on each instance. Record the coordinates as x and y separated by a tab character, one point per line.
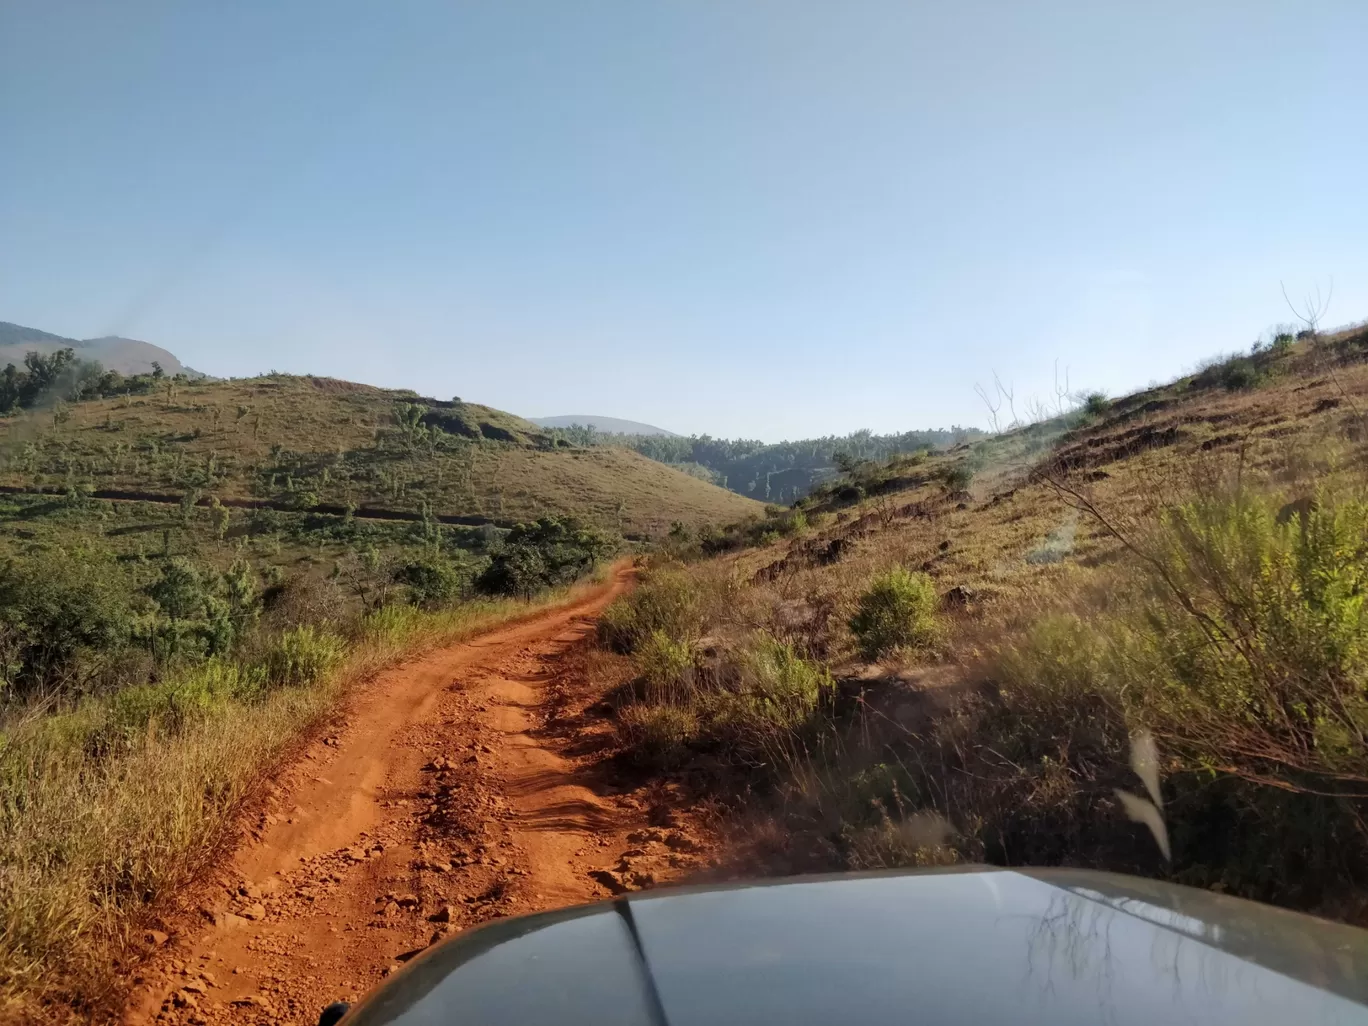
472	783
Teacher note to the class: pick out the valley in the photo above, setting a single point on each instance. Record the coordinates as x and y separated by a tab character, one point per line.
433	665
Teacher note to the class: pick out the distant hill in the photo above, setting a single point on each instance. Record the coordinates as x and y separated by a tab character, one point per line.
125	355
608	425
310	443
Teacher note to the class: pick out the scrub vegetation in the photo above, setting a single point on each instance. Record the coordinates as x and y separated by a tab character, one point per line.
180	603
772	472
960	655
307	444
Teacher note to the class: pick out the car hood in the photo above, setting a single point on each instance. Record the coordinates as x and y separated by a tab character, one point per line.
970	946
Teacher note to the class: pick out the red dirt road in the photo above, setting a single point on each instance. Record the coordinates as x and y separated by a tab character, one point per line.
471	783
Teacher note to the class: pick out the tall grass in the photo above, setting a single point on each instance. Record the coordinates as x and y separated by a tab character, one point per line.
741	692
108	807
1237	637
1232	628
1241	644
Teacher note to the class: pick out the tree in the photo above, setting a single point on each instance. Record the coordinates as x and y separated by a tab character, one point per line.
550	552
1314	306
409	418
180	591
432	583
51	612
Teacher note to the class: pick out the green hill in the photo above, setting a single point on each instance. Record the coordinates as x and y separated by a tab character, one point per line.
306	443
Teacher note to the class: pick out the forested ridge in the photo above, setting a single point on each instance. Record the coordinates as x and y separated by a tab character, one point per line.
777	472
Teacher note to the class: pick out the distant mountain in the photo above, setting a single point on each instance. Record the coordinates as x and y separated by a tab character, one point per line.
125	355
608	425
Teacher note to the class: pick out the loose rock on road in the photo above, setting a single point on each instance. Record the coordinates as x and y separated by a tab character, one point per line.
472	783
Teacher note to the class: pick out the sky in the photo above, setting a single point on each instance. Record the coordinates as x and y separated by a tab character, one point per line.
758	218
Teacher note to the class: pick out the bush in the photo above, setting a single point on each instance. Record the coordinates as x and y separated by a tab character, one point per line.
551	552
667	668
850	493
957	476
898	611
518	570
176	701
1244	651
432	583
205	611
302	655
304	599
777	689
1096	404
665	601
659	734
1255	635
1236	373
748	701
792	522
53	612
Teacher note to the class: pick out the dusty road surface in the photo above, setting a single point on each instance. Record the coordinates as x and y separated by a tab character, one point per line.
472	783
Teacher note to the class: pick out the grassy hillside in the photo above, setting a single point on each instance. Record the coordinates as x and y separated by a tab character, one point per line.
190	572
299	443
967	656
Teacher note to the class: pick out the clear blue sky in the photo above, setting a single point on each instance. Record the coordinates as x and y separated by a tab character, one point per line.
770	218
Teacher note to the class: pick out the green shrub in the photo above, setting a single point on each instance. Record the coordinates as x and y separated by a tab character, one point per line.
898	611
1236	373
53	612
432	583
957	476
518	570
1241	643
659	734
667	668
302	655
550	552
179	699
1096	404
777	688
1255	634
792	522
667	601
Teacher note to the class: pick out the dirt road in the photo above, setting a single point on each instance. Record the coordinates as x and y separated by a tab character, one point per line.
472	783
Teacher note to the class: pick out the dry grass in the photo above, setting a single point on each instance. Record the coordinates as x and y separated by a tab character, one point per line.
1045	535
305	441
92	837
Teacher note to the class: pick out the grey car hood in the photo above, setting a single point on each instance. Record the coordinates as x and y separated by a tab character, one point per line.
967	946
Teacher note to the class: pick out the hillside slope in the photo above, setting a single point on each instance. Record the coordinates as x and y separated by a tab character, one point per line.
974	649
125	355
298	443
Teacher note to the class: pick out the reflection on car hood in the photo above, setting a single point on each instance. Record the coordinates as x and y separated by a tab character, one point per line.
969	946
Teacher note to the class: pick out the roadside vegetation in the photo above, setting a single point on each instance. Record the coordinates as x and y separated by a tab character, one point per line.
964	656
158	658
143	695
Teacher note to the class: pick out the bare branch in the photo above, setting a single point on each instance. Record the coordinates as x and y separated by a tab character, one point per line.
1009	394
992	409
1313	308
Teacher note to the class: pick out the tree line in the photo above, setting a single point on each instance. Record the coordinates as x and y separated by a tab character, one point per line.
772	472
61	375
